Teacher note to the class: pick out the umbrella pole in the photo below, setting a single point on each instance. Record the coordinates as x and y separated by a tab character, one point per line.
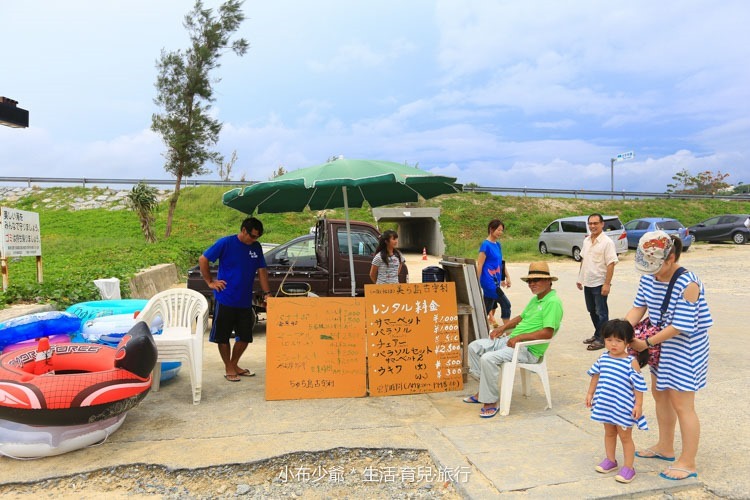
349	242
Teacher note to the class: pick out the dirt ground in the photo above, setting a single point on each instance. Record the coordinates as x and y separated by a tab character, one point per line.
723	267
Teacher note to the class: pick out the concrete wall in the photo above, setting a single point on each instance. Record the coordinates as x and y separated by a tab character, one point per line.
418	228
153	280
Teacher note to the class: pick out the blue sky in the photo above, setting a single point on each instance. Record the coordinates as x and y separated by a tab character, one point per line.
500	93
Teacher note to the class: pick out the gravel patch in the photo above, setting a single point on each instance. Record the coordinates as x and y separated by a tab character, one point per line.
339	473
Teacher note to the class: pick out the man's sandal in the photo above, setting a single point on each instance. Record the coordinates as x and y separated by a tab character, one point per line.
488	412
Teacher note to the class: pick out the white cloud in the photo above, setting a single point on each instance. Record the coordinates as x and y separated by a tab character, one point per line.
499	93
353	56
559	124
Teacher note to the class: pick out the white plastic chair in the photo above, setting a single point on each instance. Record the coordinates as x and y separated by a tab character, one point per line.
509	373
185	316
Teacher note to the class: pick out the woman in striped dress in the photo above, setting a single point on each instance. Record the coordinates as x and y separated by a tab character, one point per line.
615	397
683	363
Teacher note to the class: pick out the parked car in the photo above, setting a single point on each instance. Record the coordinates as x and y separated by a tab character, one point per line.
565	236
638	227
730	227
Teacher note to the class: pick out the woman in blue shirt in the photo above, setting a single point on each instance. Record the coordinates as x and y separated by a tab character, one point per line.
492	273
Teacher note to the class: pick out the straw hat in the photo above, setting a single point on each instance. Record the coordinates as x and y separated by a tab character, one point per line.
539	270
653	249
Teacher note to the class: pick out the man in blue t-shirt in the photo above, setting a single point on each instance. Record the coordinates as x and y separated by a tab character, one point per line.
240	256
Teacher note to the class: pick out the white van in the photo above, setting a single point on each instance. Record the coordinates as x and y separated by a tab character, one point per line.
565	236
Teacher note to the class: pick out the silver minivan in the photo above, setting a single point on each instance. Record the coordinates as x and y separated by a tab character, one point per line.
565	236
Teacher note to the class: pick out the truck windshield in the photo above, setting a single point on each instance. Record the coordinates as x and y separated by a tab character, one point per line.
363	243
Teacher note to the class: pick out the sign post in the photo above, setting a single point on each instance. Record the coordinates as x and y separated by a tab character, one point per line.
21	237
620	157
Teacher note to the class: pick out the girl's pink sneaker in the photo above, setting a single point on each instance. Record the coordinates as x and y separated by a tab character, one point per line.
625	475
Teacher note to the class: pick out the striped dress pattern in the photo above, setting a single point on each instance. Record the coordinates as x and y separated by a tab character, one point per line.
387	272
614	398
683	365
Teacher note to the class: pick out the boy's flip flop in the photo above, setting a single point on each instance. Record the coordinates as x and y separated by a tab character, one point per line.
246	373
232	378
649	453
471	399
670	468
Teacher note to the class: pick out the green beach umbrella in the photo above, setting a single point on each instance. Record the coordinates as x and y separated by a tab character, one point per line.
340	183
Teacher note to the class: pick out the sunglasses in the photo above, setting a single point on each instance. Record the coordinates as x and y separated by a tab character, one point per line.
535	280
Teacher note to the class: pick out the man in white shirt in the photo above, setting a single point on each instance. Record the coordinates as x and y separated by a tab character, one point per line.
598	259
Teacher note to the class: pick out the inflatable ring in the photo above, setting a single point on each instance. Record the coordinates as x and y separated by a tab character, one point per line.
37	325
73	384
110	329
53	339
98	308
31	441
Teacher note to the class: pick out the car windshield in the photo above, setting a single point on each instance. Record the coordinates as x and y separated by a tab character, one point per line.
668	225
612	225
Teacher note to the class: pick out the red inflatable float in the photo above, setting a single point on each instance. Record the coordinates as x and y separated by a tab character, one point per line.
72	384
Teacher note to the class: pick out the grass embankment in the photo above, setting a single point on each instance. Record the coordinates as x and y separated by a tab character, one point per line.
80	246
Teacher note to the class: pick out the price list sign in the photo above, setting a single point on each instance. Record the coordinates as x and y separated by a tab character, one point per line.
413	342
315	348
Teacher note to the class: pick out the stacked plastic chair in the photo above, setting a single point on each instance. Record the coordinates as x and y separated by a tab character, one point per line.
185	316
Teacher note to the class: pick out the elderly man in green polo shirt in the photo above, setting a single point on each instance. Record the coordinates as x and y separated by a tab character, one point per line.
540	320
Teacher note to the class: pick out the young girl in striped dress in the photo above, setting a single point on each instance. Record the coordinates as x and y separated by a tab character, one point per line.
615	397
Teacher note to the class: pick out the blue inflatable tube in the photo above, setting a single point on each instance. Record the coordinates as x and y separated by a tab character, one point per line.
169	370
98	308
33	326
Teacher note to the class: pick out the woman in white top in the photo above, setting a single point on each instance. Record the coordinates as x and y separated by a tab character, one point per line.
387	262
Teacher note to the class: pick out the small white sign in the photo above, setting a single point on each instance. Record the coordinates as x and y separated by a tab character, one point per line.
625	156
20	233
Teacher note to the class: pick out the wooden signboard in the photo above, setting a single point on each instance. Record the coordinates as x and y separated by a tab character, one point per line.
315	348
413	341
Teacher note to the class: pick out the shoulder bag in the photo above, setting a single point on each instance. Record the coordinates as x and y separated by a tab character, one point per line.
645	329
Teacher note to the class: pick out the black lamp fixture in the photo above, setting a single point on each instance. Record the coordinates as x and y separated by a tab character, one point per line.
11	115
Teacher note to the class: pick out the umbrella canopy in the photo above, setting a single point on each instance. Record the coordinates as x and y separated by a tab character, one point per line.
319	187
341	183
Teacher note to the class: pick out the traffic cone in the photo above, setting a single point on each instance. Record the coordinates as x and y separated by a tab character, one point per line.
424	253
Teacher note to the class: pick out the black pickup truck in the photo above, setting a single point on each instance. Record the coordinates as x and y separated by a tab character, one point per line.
315	264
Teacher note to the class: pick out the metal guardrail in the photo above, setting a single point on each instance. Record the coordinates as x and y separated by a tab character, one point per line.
92	180
576	193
